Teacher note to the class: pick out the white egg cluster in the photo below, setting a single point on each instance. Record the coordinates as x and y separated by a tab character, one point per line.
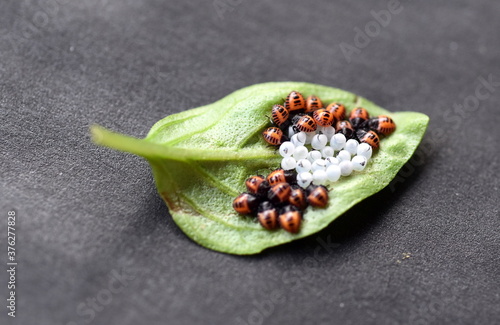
331	157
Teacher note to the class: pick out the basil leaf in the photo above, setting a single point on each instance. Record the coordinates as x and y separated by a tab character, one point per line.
201	157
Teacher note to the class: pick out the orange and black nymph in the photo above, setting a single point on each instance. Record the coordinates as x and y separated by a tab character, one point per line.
279	193
279	115
280	175
313	103
358	116
337	110
267	214
304	123
323	117
298	197
345	127
274	136
369	137
317	195
253	182
246	203
290	219
295	102
382	124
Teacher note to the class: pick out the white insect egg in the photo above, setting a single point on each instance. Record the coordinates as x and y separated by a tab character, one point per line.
333	173
329	131
291	131
365	150
298	139
338	141
303	165
319	177
359	163
331	161
319	141
286	149
314	155
345	167
310	136
318	164
288	163
344	155
300	152
352	146
327	152
304	179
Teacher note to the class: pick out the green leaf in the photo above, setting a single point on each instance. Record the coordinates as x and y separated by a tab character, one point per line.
201	157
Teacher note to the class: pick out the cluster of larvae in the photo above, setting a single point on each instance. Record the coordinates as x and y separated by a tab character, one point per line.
277	201
318	145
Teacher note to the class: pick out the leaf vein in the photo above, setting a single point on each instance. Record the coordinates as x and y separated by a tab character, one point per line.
213	181
203	212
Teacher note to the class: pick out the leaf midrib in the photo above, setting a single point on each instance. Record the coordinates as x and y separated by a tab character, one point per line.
148	149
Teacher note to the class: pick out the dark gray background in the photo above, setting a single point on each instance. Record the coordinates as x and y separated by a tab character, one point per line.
85	214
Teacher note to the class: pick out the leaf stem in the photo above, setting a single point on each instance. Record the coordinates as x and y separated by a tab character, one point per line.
151	150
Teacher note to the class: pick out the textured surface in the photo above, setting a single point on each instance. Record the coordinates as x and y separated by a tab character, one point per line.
86	214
